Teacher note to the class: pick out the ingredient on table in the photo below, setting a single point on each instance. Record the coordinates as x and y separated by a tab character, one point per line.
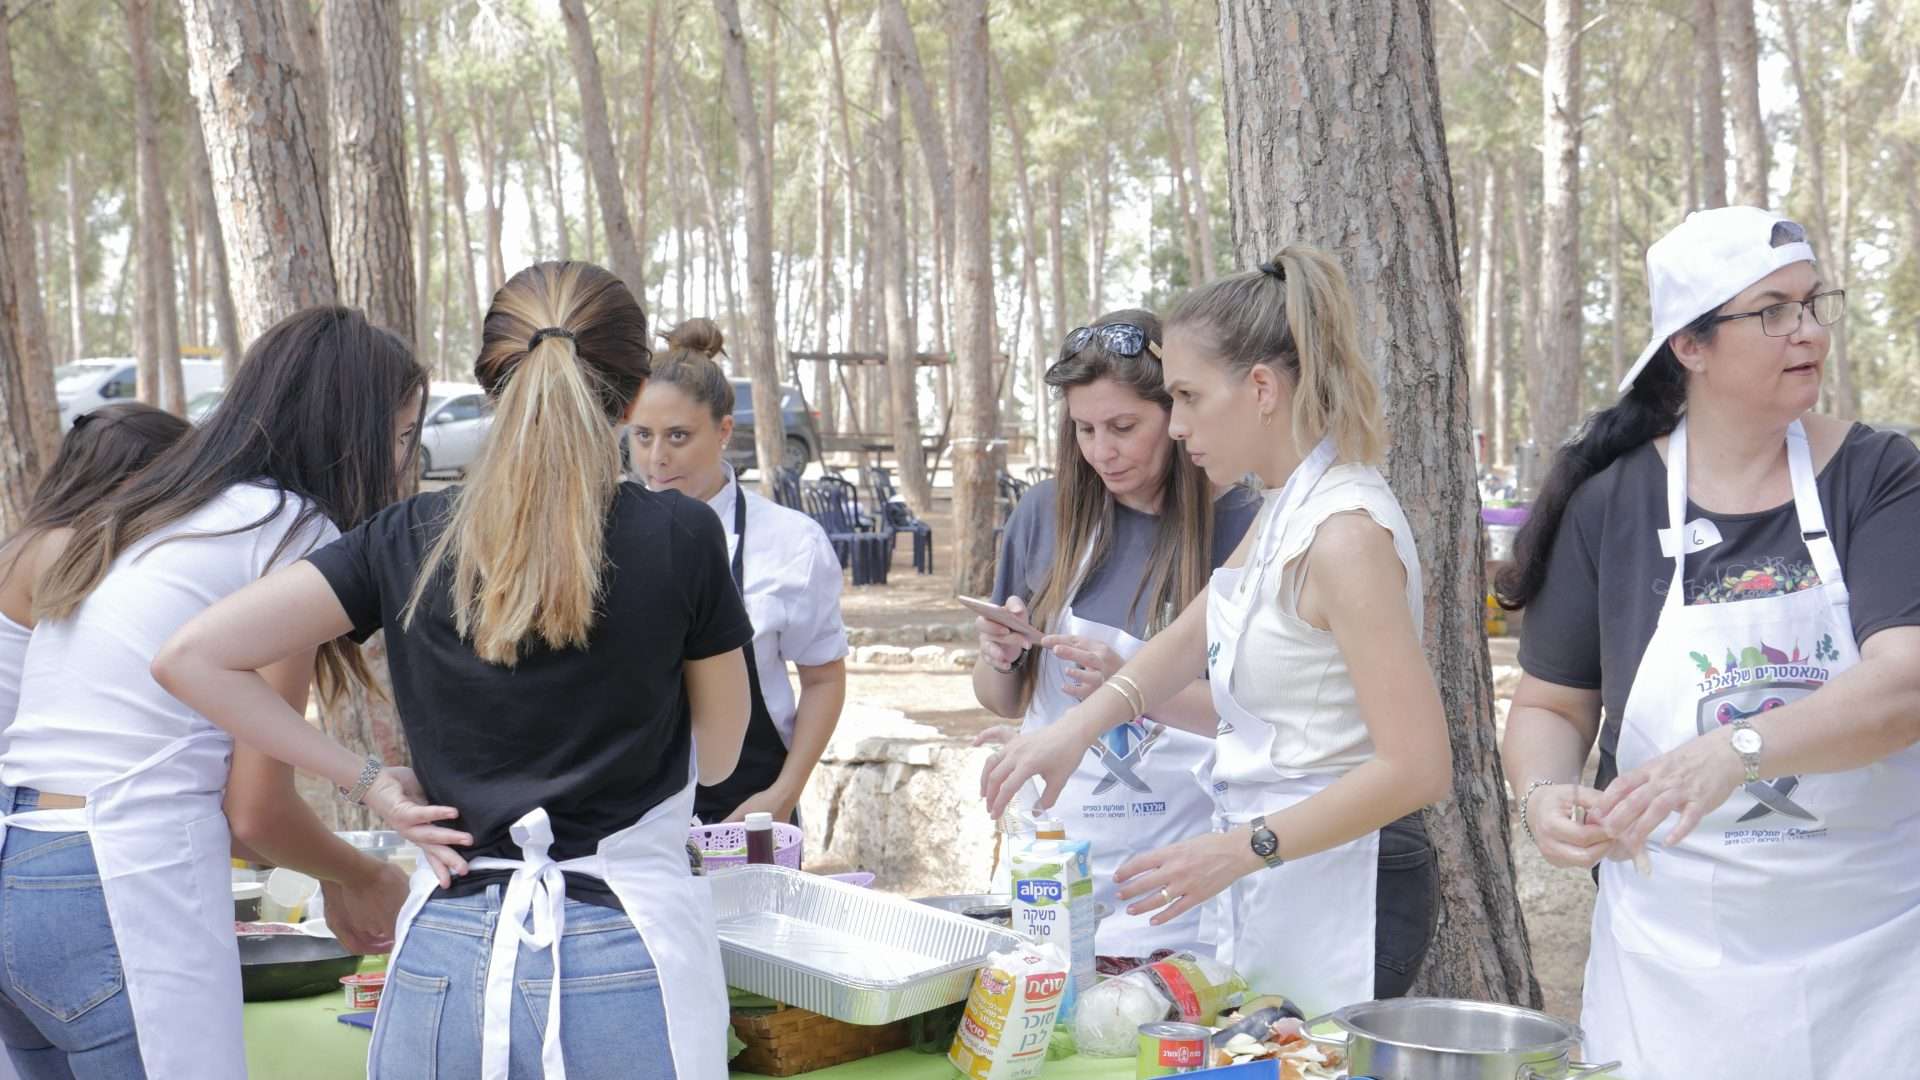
1010	1014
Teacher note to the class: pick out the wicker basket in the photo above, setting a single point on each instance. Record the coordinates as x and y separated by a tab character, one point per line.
790	1041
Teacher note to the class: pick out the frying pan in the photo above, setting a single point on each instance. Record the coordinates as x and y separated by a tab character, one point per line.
278	966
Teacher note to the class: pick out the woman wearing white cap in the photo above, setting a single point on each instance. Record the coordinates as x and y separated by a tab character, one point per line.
1726	578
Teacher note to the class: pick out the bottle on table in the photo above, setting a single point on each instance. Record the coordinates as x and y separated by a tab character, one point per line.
759	838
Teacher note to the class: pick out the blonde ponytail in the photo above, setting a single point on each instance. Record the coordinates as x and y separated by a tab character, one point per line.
525	542
1296	313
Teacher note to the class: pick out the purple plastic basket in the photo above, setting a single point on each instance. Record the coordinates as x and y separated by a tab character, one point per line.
1504	515
726	844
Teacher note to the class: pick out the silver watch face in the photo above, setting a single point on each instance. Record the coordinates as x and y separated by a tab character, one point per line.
1746	741
1265	843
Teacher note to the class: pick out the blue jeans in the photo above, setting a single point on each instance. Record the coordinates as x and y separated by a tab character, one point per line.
64	1011
613	1025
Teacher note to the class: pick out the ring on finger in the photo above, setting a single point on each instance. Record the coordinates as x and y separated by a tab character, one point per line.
1166	898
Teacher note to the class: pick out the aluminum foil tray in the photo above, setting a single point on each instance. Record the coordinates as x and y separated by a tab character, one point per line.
853	954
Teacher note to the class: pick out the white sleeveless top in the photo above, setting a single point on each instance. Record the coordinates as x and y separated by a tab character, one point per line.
1300	682
13	656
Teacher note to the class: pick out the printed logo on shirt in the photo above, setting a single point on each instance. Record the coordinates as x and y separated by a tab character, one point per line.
1123	751
1149	808
1758	680
1213	653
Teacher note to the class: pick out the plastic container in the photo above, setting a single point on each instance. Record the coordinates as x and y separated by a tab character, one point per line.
286	895
363	989
759	839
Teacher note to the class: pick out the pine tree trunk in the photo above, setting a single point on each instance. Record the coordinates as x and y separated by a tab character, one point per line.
1554	387
621	245
1190	147
39	408
486	141
643	174
897	34
1713	116
1057	258
422	205
556	172
194	323
372	231
459	255
1030	276
1616	290
1828	244
226	316
1341	144
269	195
1487	329
1743	89
763	342
159	303
22	452
76	264
309	55
902	380
978	455
1500	447
823	268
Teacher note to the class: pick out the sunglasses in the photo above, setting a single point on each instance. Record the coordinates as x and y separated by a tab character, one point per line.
1120	339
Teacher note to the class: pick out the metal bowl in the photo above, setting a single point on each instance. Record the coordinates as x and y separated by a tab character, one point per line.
1448	1039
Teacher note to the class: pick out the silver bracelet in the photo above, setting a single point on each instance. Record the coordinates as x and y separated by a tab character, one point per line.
369	772
1527	799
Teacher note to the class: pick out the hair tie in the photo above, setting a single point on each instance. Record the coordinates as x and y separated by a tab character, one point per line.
83	420
1273	269
545	333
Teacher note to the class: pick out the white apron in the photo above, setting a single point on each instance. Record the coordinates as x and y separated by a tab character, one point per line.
1306	928
645	864
1778	941
1133	791
160	838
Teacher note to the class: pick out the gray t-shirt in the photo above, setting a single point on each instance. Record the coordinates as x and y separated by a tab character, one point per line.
1592	621
1107	596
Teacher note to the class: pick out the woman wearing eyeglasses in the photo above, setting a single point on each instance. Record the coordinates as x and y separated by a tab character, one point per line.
1101	559
1720	588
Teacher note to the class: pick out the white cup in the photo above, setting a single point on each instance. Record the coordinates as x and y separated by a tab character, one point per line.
286	896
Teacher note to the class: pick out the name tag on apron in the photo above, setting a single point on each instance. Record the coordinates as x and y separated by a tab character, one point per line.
1701	534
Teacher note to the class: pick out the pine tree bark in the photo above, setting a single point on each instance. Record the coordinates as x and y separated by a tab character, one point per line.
823	268
159	303
555	166
421	208
309	55
1057	257
1743	89
623	249
270	198
226	317
1554	381
769	432
902	376
372	230
978	454
1334	136
22	452
480	102
643	173
39	408
459	255
1030	272
1708	79
897	34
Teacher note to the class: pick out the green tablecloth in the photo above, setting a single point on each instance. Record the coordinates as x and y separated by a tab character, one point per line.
304	1040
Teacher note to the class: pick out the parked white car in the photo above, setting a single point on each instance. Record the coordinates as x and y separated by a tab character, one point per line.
457	420
87	384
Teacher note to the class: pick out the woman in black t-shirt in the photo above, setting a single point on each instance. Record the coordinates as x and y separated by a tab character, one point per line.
1725	576
566	660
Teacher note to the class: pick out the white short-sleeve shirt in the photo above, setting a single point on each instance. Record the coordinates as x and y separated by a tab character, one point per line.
792	595
89	708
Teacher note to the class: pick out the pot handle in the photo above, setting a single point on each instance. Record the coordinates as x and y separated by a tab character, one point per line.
1322	1040
1579	1070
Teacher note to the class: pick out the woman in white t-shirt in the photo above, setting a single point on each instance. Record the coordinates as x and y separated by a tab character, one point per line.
101	449
786	570
1330	725
130	967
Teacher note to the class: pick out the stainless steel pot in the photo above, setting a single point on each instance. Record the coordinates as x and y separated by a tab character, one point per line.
1446	1039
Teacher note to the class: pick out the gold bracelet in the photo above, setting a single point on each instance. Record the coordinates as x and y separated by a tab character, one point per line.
1133	704
1138	699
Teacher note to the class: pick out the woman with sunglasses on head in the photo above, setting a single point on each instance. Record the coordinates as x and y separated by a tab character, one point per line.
1330	726
782	563
1101	559
566	653
124	804
1747	654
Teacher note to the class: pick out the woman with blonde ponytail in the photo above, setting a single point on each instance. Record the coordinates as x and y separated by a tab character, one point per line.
1330	728
566	656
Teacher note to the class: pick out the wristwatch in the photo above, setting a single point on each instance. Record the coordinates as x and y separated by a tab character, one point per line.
1747	742
1265	844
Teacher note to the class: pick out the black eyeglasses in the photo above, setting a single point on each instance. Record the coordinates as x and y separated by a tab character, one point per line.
1120	339
1785	318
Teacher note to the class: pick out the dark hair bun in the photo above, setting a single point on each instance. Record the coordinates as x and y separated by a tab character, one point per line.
702	336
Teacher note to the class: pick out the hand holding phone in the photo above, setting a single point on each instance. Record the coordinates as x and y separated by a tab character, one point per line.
1005	625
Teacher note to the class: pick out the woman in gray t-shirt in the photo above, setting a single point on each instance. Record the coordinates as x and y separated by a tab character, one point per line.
1100	559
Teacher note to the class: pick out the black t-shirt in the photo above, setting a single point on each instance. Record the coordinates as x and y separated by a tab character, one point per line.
597	735
1591	622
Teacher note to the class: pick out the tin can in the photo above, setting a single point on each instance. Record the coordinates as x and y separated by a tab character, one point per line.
1167	1049
363	989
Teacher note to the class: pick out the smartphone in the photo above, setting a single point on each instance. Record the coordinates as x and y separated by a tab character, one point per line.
996	613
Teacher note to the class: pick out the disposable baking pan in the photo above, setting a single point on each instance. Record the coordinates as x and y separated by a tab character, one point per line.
853	954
